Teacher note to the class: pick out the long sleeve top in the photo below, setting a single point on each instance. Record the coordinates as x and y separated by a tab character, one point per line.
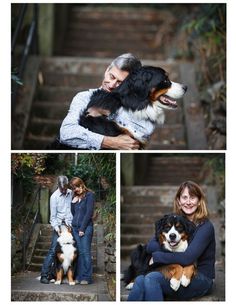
75	135
60	208
201	251
82	212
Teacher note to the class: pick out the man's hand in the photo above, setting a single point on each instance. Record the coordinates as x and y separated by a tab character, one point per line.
81	233
120	142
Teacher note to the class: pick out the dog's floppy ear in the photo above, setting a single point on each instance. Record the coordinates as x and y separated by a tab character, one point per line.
135	90
159	226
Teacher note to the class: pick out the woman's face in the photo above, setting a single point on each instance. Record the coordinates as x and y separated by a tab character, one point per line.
188	203
78	190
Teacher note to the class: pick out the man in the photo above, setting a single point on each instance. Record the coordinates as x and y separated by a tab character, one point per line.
60	210
78	137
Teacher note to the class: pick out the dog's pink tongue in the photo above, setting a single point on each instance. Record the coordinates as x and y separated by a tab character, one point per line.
167	101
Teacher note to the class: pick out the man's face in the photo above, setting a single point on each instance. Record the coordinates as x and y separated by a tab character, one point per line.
113	78
63	190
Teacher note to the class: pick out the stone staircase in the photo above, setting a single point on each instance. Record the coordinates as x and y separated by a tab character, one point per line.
108	26
43	243
27	287
160	169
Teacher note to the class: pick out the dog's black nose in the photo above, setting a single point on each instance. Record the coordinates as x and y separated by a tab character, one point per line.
185	88
172	236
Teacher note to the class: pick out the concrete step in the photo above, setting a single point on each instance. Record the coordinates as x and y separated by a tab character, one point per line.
141	218
143	208
136	228
64	79
26	287
57	94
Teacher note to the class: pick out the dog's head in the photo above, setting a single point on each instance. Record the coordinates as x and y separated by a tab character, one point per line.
149	85
65	235
174	232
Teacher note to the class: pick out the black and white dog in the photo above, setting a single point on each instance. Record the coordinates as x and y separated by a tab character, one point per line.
142	95
65	255
173	232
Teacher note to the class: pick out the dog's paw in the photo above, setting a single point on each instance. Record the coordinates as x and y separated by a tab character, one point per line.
174	284
184	280
71	283
58	282
129	286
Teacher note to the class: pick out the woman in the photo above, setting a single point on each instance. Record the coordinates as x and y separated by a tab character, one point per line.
189	201
82	208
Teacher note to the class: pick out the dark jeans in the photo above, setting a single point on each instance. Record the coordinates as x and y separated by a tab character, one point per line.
49	259
155	287
84	267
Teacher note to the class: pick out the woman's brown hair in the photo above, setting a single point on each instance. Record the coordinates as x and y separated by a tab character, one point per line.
194	190
76	182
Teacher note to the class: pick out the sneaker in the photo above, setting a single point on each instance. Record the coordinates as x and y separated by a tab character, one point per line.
44	280
83	282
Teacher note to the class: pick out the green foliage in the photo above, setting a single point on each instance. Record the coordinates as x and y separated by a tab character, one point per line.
207	34
25	166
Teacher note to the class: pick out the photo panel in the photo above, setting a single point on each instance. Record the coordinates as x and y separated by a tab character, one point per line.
153	187
63	227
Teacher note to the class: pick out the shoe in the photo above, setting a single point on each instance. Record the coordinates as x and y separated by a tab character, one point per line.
44	280
83	282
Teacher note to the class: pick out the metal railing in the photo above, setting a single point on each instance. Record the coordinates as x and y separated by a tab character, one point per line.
32	217
31	42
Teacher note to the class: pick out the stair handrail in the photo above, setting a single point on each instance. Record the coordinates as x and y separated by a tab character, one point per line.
31	41
27	232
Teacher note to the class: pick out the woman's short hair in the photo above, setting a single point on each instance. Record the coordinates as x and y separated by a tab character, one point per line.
126	62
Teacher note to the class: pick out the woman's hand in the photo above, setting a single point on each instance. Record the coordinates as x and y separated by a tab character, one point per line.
81	233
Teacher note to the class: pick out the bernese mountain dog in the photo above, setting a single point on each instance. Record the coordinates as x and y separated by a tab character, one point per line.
173	232
143	95
65	255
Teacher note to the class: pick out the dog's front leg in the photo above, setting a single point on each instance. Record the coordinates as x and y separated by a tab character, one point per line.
70	277
188	272
175	280
59	276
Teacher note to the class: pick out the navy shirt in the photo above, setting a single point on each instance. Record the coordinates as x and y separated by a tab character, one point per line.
201	251
83	212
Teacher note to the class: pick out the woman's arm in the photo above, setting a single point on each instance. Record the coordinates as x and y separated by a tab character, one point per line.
89	211
153	245
203	235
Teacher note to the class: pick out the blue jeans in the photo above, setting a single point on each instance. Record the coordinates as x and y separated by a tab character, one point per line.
155	287
84	267
47	264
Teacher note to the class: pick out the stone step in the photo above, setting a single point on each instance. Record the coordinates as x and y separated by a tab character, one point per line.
141	218
136	228
50	110
143	208
63	79
27	287
33	142
57	94
140	14
44	127
96	66
129	239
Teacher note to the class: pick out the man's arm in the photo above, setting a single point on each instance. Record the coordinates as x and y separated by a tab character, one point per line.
75	135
